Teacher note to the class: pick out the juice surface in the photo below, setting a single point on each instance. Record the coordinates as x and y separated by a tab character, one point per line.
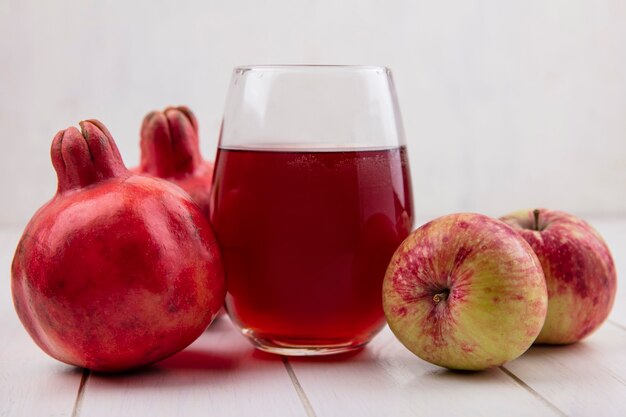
306	237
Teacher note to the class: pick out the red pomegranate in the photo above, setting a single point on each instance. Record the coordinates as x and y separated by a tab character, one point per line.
170	150
117	270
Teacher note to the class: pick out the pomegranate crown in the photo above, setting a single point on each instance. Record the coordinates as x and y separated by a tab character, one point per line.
169	143
85	157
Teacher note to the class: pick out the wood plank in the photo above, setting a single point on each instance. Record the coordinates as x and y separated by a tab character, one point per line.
386	379
219	375
586	378
31	383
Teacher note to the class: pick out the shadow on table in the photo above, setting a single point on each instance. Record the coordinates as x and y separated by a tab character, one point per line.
189	360
354	355
217	355
581	347
534	352
188	368
192	359
485	375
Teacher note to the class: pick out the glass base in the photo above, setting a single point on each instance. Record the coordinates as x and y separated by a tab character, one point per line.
298	347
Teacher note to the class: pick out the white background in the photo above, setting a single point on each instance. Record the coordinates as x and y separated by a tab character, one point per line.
506	104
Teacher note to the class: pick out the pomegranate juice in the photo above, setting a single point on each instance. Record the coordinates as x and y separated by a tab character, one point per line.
306	237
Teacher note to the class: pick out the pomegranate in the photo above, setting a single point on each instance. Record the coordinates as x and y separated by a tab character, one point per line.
117	270
170	150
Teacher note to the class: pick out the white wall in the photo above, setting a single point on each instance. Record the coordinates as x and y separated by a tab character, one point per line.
506	104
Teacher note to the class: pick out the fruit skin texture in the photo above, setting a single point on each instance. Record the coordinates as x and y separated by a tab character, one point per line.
464	291
170	149
579	270
117	270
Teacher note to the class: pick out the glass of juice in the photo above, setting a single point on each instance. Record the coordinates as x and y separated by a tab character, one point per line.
311	197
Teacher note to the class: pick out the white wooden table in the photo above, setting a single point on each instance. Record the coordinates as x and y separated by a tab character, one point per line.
222	375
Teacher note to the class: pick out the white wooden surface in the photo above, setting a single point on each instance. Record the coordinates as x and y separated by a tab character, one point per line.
222	375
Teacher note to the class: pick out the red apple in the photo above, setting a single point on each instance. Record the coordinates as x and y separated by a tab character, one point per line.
465	291
579	270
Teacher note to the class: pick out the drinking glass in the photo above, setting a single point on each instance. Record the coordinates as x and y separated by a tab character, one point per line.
311	196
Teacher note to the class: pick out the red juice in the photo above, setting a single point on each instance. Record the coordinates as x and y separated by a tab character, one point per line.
306	237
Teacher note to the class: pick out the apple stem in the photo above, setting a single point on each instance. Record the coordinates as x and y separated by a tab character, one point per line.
442	296
536	214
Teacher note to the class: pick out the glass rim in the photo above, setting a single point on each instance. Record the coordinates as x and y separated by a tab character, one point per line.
314	67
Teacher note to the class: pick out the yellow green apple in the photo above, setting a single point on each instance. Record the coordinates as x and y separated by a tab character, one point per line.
465	291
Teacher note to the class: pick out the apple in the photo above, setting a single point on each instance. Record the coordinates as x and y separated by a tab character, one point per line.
465	291
579	270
